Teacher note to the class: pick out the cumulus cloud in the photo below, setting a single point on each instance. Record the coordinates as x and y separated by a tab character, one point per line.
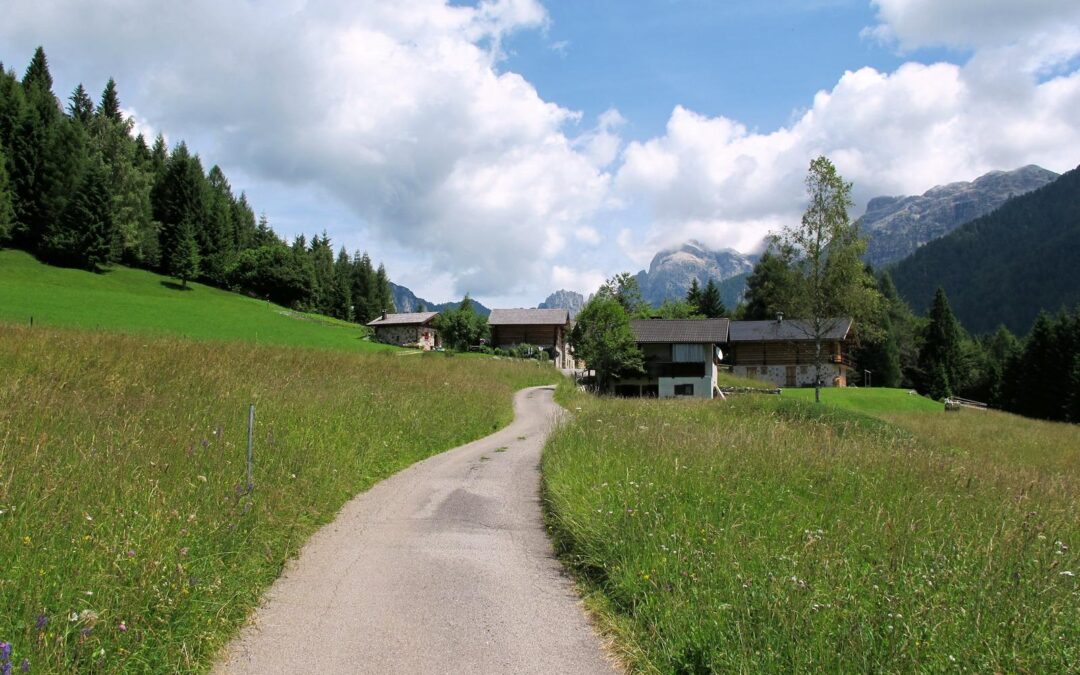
399	110
1016	101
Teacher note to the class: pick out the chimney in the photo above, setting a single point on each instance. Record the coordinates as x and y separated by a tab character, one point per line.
779	317
384	316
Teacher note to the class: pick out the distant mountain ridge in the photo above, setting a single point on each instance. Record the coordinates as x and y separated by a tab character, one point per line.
406	301
898	226
672	270
563	299
1007	266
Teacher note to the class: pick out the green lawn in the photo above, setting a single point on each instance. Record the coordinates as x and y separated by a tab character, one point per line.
136	301
874	401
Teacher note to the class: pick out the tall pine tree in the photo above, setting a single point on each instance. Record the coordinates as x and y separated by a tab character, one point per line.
940	358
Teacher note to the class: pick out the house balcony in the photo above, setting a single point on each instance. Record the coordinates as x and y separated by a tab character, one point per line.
658	369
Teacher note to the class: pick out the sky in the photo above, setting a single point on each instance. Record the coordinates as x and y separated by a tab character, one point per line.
509	148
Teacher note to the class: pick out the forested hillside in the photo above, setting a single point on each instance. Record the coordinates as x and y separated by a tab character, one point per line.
1007	266
78	189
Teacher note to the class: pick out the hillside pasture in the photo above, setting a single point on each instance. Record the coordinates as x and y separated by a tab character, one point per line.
137	301
128	538
764	534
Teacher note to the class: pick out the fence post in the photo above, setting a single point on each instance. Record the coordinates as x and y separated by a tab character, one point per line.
251	434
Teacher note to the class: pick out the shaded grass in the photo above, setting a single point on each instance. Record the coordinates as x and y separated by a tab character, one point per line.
769	535
127	538
136	301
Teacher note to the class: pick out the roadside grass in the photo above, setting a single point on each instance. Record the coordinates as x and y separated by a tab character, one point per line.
764	534
127	537
137	301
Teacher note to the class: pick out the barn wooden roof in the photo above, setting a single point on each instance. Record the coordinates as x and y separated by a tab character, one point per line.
528	317
787	330
406	319
680	330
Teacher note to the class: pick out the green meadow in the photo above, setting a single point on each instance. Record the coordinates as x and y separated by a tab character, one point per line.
136	301
765	534
873	401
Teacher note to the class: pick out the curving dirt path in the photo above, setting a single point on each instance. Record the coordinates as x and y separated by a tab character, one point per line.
442	568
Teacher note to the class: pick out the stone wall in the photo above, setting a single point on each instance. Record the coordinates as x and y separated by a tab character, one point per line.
424	336
832	375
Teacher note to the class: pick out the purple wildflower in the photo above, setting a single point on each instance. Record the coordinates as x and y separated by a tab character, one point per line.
5	651
42	621
5	668
25	666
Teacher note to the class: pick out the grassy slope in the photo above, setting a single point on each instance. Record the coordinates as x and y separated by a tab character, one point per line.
133	300
121	490
874	401
768	535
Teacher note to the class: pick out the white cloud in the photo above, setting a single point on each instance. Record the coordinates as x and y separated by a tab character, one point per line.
903	132
396	109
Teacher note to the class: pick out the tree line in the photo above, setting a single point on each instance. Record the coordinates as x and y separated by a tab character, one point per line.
78	189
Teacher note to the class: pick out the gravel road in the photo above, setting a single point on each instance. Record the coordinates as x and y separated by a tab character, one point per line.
442	568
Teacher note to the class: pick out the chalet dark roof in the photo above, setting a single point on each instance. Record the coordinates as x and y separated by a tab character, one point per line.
528	317
788	330
680	330
409	319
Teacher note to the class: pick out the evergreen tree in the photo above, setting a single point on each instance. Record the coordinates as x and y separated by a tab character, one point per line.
83	235
363	282
693	294
384	295
322	258
217	240
7	208
341	306
109	108
179	202
709	304
940	358
184	255
37	73
771	286
81	107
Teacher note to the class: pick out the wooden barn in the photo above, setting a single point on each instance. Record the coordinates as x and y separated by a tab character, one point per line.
548	329
782	351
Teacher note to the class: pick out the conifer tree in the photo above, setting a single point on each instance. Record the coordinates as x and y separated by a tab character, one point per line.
384	295
710	305
342	298
941	355
771	286
184	256
81	106
37	73
693	294
109	108
7	208
83	235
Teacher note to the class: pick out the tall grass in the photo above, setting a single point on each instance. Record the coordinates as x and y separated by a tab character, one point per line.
770	535
127	539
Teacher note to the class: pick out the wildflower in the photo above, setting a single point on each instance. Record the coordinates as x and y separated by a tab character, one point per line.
42	621
26	540
131	553
5	650
184	552
88	517
122	627
25	666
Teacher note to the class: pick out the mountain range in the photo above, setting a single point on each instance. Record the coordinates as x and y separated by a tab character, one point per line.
1007	266
406	301
563	299
672	270
897	226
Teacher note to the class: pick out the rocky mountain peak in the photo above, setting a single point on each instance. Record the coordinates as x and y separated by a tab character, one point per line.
563	299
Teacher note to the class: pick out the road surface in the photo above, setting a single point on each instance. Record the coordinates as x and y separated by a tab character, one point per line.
442	568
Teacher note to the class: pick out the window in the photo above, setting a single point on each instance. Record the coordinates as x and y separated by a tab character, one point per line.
684	390
688	353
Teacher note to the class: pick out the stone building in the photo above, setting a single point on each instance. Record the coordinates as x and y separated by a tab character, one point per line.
782	352
408	330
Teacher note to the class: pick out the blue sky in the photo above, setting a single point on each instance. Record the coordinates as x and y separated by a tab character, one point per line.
510	148
757	62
